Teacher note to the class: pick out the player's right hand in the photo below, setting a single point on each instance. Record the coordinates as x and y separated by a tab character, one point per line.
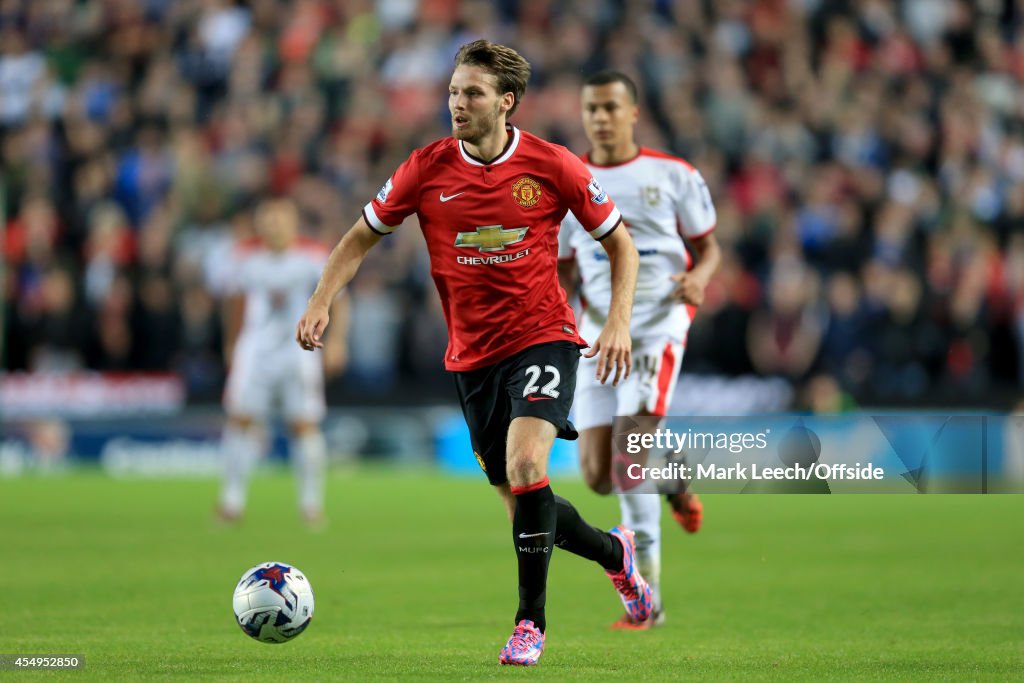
613	349
310	330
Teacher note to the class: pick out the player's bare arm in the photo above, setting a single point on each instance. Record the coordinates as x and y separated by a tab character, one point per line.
336	341
340	269
613	347
691	284
568	275
232	312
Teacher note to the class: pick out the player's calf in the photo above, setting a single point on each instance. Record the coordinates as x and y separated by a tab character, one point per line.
595	458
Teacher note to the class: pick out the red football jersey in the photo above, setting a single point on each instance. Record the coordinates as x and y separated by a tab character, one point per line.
492	233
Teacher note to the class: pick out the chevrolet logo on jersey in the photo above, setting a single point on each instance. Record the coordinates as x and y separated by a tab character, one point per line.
490	237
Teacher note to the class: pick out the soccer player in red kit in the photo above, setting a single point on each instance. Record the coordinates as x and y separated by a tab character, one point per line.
489	201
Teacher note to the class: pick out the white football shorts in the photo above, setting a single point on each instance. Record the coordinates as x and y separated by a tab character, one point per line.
288	382
648	389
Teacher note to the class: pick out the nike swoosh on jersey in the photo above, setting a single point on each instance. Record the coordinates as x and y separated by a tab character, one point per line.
450	197
531	397
541	533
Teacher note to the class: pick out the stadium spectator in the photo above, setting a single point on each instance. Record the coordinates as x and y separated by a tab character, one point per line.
887	131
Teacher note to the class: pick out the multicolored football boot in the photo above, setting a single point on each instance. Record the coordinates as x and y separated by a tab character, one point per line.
633	589
524	647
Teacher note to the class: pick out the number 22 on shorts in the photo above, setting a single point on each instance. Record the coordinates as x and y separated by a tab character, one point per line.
533	386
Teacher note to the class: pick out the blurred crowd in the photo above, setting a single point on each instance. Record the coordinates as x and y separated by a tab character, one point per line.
866	158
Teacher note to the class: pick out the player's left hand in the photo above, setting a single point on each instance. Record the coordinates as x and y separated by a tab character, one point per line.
614	349
689	288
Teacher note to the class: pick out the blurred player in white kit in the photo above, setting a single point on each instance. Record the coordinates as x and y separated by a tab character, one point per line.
271	279
662	199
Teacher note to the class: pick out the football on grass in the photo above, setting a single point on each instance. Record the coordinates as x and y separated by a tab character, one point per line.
273	602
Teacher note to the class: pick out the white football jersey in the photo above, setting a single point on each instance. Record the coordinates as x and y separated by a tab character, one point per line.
661	198
276	287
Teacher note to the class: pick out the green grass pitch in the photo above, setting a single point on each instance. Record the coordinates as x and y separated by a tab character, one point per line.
414	579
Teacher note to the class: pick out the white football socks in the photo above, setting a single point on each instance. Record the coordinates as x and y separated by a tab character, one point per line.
309	453
241	448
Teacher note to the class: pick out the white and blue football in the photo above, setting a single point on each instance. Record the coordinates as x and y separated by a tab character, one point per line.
273	602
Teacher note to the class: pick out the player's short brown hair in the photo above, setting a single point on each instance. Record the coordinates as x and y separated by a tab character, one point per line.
507	65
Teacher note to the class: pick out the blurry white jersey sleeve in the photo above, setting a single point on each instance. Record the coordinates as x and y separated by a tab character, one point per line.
565	237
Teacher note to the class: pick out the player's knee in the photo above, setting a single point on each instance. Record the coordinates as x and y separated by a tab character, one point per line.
596	477
525	466
523	472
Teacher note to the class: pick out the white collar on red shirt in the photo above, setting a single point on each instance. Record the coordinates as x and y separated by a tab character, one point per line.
504	156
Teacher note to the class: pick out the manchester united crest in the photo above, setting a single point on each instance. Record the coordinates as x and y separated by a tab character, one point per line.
526	191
